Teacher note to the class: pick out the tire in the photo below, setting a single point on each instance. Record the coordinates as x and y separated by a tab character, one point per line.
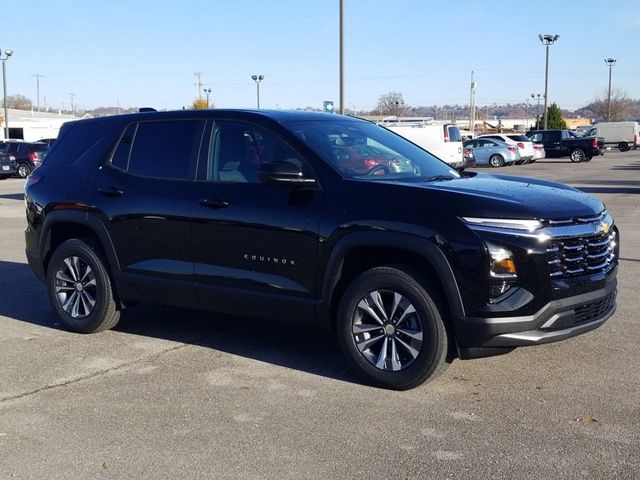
412	354
24	170
623	146
577	155
496	160
588	159
67	275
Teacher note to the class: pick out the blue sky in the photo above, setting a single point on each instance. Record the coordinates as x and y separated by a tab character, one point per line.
144	53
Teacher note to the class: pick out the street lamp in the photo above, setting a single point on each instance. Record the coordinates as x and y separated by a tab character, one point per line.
257	79
537	110
610	63
547	39
7	54
207	91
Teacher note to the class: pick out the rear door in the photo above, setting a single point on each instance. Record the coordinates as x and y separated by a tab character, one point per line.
255	245
146	196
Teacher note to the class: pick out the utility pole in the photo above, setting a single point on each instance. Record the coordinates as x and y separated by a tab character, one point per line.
341	109
472	106
38	77
199	84
73	105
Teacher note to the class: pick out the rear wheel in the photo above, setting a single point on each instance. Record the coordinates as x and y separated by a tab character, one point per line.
80	288
623	146
577	155
391	329
24	170
496	160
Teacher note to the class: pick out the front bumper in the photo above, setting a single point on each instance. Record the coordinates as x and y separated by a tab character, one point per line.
557	320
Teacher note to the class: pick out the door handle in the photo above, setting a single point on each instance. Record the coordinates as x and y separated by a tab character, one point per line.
110	192
213	203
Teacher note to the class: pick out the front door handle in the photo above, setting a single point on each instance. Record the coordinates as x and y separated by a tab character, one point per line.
110	192
213	203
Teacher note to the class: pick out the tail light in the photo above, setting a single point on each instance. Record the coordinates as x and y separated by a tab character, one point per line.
521	145
537	147
446	134
33	156
594	143
635	139
511	148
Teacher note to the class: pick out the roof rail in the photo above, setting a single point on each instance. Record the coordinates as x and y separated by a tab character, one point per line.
146	109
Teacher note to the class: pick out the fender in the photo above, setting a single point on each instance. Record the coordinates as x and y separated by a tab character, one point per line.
418	245
86	220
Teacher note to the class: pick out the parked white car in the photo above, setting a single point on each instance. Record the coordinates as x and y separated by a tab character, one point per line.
524	145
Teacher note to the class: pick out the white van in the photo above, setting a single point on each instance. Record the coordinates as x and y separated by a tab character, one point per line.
440	139
624	135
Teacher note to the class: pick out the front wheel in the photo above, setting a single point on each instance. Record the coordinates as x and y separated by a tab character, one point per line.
496	161
24	170
577	155
623	146
80	288
391	329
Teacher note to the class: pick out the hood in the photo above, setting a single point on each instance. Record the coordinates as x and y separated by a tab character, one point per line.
496	196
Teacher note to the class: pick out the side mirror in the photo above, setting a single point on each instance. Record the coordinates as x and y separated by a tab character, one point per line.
283	173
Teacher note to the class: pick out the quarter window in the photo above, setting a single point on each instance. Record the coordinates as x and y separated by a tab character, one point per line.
120	157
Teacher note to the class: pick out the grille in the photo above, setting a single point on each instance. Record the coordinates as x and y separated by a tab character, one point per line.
595	310
583	255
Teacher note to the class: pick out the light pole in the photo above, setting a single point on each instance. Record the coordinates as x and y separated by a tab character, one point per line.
38	77
547	39
537	110
207	91
7	54
341	27
257	79
610	63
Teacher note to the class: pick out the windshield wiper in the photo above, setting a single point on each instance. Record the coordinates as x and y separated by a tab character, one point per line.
438	178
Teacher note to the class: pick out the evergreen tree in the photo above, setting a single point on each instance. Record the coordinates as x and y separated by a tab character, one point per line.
554	118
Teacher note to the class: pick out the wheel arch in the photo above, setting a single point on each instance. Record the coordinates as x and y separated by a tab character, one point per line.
358	252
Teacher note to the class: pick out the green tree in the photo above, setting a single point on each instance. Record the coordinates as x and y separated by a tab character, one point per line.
554	118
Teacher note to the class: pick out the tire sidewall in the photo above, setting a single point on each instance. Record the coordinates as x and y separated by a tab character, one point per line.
83	251
623	147
432	326
23	167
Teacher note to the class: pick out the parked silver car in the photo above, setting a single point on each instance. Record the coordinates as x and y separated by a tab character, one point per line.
492	152
524	144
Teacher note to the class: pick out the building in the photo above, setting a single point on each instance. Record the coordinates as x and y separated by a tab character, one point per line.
31	125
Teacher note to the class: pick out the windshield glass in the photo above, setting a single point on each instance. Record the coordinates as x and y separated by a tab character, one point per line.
363	150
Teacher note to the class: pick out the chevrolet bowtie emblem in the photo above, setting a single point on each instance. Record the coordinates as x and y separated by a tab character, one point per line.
604	228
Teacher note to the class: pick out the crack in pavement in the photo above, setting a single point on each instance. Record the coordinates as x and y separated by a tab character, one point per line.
98	373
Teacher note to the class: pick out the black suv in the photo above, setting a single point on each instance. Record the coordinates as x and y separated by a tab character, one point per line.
260	213
28	155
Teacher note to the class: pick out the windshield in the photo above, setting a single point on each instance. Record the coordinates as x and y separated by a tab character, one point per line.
518	138
363	150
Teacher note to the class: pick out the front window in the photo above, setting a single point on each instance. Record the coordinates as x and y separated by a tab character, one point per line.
363	150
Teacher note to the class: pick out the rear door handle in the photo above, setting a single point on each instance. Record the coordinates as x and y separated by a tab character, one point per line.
213	203
110	192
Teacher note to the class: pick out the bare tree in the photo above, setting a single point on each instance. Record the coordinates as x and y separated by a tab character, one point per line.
19	102
392	103
620	105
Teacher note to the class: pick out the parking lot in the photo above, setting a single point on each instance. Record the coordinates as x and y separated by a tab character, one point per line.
173	393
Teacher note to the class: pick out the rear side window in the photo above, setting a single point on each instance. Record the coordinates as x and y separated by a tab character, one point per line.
454	134
518	138
166	149
76	139
536	137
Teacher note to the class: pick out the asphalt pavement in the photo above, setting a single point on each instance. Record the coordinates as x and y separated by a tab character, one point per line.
173	393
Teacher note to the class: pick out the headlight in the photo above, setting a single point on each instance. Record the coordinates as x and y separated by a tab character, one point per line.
501	260
503	223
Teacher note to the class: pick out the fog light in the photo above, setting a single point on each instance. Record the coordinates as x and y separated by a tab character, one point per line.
497	289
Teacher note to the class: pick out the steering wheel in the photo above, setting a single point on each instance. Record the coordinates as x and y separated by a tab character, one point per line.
378	168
